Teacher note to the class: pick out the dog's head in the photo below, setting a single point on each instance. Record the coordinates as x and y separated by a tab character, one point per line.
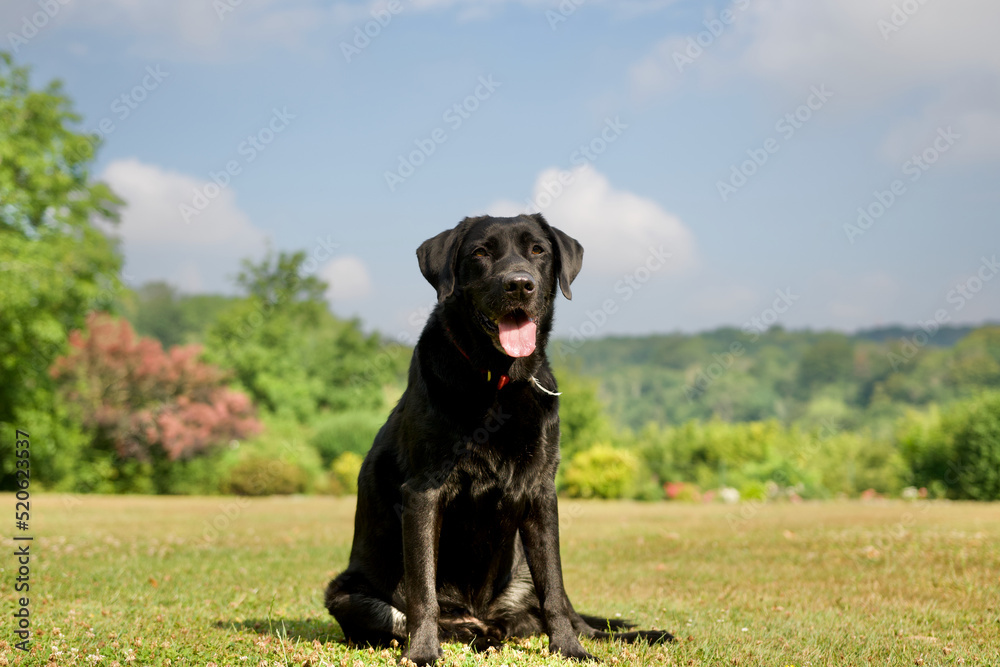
506	270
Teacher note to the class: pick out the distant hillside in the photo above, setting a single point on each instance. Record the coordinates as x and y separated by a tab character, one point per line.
868	378
946	336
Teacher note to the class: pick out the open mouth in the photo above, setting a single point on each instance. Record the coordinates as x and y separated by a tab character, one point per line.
516	331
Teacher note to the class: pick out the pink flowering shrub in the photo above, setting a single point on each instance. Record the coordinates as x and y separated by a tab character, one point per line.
144	402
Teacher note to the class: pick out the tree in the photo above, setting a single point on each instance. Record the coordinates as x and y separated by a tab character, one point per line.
156	309
57	263
828	360
976	360
582	419
140	403
288	351
158	314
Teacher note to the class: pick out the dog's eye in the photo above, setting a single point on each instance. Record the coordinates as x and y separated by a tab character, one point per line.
537	250
480	252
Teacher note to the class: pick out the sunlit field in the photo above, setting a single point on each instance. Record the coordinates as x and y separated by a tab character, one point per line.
228	581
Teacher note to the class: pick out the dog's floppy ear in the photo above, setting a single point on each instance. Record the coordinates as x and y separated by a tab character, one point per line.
438	258
569	255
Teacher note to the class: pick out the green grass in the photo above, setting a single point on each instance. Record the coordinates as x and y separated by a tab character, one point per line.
151	581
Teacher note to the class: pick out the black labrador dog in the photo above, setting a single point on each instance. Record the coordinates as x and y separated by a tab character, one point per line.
456	534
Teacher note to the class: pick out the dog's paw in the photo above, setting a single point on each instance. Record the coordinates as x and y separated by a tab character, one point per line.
573	650
420	656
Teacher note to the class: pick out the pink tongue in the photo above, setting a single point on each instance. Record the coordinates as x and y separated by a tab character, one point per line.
517	335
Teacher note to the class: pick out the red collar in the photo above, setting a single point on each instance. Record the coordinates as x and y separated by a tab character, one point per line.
501	383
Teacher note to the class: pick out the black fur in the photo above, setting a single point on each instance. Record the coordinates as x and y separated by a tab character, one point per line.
456	534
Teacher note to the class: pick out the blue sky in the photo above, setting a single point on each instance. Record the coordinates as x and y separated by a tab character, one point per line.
738	138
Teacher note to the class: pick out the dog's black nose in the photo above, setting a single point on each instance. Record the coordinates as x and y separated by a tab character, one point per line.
519	283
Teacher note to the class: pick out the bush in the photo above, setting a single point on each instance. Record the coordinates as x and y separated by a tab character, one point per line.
924	447
682	492
280	461
583	422
602	472
202	476
144	408
958	451
346	432
344	474
976	438
260	476
753	491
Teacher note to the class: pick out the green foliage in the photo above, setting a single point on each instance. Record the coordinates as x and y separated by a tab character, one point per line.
602	471
957	450
344	473
157	310
976	360
865	380
582	418
260	476
290	354
278	462
814	463
827	361
345	432
56	262
753	490
143	407
977	450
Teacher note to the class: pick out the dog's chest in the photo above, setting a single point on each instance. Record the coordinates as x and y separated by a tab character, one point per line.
508	457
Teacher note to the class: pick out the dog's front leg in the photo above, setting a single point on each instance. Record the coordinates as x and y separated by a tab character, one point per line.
540	536
421	533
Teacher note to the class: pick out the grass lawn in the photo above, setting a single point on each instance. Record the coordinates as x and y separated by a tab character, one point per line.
225	581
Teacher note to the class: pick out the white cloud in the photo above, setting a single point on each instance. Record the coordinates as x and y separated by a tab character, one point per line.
617	228
348	278
844	42
975	117
206	30
657	72
941	51
160	245
200	30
